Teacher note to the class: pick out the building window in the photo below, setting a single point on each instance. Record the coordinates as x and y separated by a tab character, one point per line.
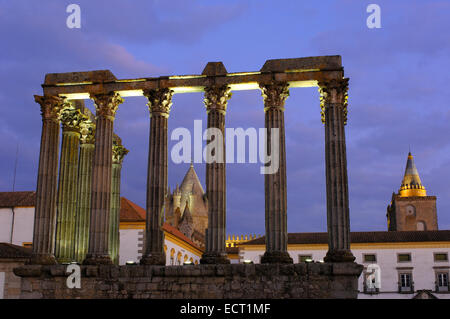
372	279
442	282
440	257
421	226
172	256
369	258
405	282
404	257
27	245
304	258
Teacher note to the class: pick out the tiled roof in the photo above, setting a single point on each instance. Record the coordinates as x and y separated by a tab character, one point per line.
14	251
364	237
170	229
17	199
232	250
130	212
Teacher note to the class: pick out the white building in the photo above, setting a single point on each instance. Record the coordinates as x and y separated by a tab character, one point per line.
408	262
405	263
17	219
178	247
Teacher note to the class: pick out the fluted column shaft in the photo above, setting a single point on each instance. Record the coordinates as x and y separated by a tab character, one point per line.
106	106
45	211
334	115
114	236
216	99
82	219
159	103
67	185
275	184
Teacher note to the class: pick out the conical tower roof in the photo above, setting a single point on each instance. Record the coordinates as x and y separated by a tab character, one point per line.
187	216
191	184
411	184
186	225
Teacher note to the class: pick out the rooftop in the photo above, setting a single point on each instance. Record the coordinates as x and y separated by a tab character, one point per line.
14	251
364	237
17	199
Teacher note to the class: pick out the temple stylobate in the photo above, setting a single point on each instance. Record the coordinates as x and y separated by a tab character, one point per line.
275	79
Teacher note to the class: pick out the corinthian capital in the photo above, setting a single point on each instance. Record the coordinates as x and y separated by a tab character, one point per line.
50	106
107	104
118	152
159	101
87	130
274	94
334	92
71	118
216	97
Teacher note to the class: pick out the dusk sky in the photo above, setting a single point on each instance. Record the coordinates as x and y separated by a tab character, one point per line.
398	92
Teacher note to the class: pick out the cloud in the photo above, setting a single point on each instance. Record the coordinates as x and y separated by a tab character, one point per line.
397	92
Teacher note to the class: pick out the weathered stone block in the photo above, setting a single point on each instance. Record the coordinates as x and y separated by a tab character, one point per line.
91	271
242	281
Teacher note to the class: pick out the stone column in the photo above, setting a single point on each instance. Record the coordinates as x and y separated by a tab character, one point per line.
45	211
216	99
118	154
333	102
275	95
67	185
159	103
106	106
82	219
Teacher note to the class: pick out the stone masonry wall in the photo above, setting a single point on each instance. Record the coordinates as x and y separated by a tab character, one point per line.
425	209
11	290
303	280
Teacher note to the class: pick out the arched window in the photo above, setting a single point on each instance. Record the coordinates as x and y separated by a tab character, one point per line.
172	256
196	262
185	258
421	225
179	258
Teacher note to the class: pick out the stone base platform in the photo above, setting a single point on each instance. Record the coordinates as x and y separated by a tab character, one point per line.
303	280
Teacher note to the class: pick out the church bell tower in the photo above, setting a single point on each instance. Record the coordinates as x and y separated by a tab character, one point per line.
411	208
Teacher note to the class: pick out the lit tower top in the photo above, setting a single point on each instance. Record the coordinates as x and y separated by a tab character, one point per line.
411	184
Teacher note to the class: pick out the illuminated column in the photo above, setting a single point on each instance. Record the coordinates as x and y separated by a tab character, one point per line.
275	95
67	185
45	211
216	99
159	103
82	218
106	106
118	153
333	102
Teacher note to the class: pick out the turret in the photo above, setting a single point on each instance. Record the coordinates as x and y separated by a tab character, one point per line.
411	184
412	209
176	198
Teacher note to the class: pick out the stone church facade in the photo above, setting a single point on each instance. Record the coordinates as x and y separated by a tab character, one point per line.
187	208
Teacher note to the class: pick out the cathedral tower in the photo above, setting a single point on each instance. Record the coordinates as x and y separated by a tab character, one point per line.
411	208
187	208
